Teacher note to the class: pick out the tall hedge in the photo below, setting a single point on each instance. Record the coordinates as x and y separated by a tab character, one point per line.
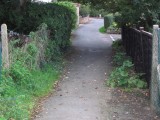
11	13
118	19
60	22
84	10
60	19
108	20
73	9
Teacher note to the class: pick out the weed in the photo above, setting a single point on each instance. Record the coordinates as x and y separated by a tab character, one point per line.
117	45
123	75
25	81
17	98
119	58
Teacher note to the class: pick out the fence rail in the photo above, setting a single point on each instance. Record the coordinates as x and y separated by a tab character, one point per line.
138	45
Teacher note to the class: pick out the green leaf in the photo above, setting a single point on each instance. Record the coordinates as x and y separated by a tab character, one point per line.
113	84
123	73
122	82
141	84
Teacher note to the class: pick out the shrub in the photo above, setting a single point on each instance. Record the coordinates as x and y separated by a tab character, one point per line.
103	13
123	74
24	81
94	12
11	14
84	10
117	45
118	19
73	10
108	20
59	19
31	73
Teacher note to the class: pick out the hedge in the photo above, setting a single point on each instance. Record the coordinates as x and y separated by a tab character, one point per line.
84	10
73	9
108	20
59	19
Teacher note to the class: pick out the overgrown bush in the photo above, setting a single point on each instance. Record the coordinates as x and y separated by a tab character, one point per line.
118	19
29	76
18	98
84	10
123	74
60	19
33	65
11	13
71	6
32	14
108	20
94	12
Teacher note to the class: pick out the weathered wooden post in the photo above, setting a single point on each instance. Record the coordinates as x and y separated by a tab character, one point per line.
142	48
5	54
154	81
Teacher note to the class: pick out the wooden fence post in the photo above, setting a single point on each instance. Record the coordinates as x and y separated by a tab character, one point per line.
5	54
154	81
142	48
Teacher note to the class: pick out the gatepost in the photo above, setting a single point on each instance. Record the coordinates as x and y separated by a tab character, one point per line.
5	54
155	73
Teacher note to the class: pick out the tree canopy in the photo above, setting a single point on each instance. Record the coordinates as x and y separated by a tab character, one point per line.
134	12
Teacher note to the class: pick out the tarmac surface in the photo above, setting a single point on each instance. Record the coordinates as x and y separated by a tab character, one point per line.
82	93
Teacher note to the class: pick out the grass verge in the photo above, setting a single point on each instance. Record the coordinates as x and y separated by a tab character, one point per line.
18	101
102	30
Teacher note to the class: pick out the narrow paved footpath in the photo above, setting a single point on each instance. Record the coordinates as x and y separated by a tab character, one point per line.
82	93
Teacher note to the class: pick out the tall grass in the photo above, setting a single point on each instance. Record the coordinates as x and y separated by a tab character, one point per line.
18	101
30	76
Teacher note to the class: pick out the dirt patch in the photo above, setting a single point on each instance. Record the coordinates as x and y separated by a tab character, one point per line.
135	104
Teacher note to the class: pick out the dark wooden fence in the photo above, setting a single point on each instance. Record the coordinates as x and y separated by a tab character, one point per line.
138	45
0	60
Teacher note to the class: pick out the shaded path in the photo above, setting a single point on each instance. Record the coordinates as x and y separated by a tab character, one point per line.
82	93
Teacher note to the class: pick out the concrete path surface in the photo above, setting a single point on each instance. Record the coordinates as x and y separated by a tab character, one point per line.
82	93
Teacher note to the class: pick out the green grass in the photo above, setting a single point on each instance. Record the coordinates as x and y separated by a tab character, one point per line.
102	30
45	79
17	101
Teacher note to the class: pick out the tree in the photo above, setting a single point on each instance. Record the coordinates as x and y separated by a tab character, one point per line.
11	12
134	12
